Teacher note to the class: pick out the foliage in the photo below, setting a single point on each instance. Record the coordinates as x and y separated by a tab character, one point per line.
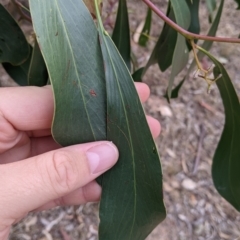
92	78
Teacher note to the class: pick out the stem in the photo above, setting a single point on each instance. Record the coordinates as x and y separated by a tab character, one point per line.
185	33
196	57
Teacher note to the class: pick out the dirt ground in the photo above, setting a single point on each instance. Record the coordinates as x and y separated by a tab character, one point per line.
191	128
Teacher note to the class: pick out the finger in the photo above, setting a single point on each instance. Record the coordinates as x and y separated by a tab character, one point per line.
41	145
143	91
27	108
89	193
30	148
40	133
41	179
31	108
154	125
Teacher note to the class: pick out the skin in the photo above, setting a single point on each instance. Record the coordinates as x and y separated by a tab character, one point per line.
35	172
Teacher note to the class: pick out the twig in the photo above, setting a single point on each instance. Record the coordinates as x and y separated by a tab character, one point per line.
64	234
197	159
185	33
23	15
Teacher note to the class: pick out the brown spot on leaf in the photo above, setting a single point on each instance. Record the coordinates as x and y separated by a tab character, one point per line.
93	93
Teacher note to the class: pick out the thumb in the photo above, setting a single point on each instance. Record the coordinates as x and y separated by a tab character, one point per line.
29	184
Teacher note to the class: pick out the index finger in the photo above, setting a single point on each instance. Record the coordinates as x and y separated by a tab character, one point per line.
32	108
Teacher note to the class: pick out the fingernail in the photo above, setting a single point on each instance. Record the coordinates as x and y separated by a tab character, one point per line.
102	157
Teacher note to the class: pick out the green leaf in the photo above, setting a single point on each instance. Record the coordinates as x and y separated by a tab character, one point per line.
238	2
175	91
137	76
121	33
132	202
207	44
194	11
194	24
226	164
180	55
212	32
70	46
163	50
19	73
37	75
14	47
143	39
211	6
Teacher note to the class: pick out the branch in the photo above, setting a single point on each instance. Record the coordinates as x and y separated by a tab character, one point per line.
185	33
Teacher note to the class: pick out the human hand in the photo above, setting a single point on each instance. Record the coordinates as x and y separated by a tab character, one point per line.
35	172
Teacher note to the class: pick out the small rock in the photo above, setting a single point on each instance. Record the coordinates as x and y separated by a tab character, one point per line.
223	60
175	184
165	111
170	153
167	187
193	200
189	184
30	222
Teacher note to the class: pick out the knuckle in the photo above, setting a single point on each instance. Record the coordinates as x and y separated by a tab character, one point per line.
63	172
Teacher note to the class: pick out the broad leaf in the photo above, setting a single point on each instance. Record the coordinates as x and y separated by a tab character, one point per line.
180	55
163	50
226	164
69	42
37	75
19	73
143	39
14	47
132	202
121	33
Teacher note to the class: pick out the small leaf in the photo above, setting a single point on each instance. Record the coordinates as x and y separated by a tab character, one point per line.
163	50
194	11
238	2
19	73
143	39
132	202
212	32
37	75
226	164
194	24
207	44
121	33
175	91
180	55
14	47
211	6
137	76
70	45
